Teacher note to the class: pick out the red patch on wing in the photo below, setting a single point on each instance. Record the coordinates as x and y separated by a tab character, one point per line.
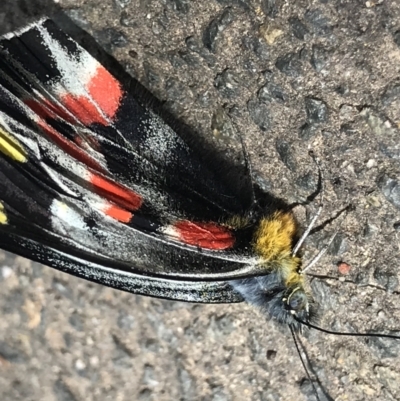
106	91
118	213
205	235
116	193
69	147
102	102
46	109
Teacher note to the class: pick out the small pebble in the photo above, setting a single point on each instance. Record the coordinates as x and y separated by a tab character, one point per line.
344	268
6	272
80	365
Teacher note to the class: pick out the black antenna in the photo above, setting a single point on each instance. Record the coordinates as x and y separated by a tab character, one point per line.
303	362
311	225
344	333
247	164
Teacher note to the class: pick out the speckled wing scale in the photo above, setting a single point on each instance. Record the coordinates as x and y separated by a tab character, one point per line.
94	183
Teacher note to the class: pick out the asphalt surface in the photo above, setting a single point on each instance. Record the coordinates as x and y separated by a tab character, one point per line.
317	74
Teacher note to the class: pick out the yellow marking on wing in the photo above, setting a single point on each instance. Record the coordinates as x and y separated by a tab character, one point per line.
3	216
274	241
11	147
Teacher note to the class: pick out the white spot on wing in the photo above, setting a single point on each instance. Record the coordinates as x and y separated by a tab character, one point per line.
61	212
161	140
170	231
74	72
26	28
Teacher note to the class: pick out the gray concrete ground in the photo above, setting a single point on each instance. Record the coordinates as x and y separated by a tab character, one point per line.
289	75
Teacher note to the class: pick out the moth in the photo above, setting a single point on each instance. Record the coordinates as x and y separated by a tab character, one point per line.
94	183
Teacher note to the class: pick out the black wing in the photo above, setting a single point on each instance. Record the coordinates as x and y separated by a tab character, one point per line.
92	181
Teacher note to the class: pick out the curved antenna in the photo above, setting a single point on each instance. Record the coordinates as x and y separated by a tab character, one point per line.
247	163
344	333
319	210
303	362
249	168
